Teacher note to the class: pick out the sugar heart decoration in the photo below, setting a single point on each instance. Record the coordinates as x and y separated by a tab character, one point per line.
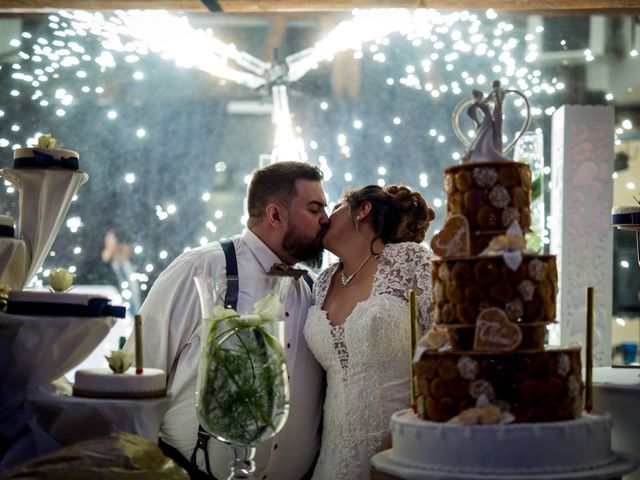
494	331
453	240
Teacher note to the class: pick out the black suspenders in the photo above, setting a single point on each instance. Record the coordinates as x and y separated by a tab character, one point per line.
230	301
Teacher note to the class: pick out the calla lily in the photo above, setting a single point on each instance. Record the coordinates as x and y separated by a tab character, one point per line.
246	321
61	279
269	307
46	141
221	313
120	360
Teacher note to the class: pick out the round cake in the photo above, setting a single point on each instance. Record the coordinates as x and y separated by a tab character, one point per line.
626	216
33	157
580	444
103	383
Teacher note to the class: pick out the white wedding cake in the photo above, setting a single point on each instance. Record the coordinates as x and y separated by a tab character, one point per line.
103	383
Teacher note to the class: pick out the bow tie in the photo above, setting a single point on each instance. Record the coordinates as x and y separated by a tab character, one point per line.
285	270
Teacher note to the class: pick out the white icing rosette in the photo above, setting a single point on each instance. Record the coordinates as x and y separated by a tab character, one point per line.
499	196
526	289
468	367
485	176
536	269
510	215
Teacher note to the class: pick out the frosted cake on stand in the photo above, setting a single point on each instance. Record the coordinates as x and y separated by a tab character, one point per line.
491	402
47	178
103	383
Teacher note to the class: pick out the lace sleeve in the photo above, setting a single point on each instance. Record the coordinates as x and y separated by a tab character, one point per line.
405	266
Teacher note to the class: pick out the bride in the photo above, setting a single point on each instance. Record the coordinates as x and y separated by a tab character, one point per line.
358	328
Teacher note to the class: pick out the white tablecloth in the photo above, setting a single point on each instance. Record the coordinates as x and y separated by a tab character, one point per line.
55	420
35	351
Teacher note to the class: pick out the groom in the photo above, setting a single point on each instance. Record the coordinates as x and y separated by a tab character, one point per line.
287	221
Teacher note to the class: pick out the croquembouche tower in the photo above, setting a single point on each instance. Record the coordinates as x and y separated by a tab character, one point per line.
491	401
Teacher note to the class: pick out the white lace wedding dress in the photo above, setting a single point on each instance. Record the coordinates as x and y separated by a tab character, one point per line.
367	360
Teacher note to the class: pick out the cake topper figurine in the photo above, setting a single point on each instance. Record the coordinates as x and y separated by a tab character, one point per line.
486	143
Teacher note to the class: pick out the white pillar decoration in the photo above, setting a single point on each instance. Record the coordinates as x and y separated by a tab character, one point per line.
581	198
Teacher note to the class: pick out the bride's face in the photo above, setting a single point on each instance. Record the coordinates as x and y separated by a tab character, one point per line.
340	227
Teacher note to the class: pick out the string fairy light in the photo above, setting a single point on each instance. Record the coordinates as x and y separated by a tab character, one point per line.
446	42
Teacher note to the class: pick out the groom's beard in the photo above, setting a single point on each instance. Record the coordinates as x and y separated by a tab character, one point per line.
304	249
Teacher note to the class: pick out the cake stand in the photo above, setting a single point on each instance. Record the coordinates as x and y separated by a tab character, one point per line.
45	196
388	469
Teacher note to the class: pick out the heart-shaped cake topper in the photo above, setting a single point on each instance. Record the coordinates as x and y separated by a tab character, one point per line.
453	240
495	333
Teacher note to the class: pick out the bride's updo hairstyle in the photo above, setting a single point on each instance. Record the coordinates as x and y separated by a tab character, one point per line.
397	213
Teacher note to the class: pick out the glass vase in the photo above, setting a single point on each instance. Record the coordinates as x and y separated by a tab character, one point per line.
242	395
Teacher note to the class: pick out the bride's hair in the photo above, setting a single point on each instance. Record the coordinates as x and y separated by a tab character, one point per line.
397	213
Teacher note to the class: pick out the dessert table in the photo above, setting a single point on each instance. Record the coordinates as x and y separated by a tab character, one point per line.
62	418
37	412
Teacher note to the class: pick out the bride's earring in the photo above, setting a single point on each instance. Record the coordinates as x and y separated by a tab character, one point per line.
357	223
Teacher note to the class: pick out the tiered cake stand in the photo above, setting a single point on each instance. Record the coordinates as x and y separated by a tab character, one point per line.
37	413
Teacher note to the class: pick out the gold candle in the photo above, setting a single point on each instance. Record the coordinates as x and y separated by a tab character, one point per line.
412	330
588	400
138	334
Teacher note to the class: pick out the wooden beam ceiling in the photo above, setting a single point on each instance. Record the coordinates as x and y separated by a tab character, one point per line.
253	6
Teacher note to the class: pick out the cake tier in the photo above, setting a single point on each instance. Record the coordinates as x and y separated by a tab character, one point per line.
462	337
626	215
540	386
45	158
491	196
462	287
573	445
103	383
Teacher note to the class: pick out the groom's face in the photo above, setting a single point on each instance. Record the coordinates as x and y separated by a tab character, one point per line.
307	223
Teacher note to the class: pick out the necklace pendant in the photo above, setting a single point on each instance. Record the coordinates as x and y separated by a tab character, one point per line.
345	280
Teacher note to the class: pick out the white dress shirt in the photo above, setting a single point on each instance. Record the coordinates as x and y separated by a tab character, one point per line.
171	325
